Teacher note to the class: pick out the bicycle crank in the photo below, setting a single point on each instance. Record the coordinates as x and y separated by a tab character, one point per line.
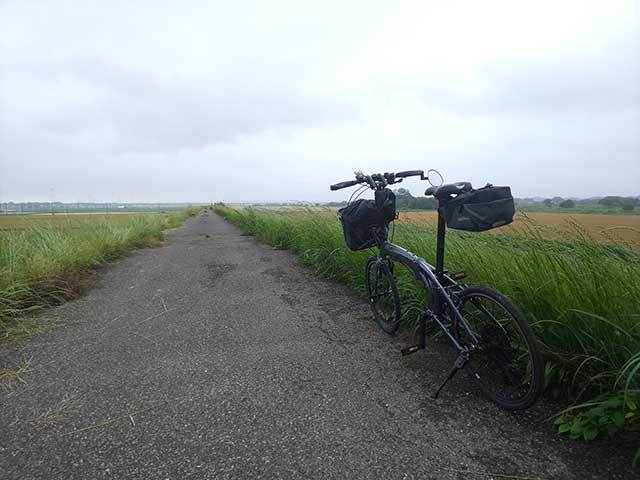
421	335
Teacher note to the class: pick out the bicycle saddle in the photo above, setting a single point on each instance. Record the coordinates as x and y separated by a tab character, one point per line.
449	189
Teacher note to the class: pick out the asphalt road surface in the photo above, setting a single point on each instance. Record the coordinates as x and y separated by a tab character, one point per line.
218	357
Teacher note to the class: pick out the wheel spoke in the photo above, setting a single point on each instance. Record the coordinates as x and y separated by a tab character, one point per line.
501	361
382	296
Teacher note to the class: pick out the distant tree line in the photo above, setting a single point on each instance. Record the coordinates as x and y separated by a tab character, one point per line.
406	201
626	203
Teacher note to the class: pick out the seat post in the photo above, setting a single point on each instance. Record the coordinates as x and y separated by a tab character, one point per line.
440	240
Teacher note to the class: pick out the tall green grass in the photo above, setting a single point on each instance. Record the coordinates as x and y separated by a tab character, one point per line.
42	262
582	298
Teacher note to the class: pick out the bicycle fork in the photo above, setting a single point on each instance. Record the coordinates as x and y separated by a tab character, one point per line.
459	363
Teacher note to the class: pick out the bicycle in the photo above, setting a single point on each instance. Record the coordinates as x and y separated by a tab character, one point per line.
495	344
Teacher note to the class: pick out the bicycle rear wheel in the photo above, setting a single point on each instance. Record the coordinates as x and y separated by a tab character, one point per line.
383	295
507	365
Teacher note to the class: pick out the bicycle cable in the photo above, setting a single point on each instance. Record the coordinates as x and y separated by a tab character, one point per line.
357	191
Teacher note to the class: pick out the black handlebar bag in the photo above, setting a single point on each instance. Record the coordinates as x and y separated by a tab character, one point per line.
362	224
482	209
386	203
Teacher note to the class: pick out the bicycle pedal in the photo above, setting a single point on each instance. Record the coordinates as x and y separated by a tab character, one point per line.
409	350
458	275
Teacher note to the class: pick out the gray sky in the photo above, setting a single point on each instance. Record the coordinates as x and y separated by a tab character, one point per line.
275	100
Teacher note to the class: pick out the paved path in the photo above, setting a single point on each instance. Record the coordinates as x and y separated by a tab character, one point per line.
217	357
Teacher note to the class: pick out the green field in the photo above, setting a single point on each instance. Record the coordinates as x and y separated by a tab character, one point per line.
582	210
44	259
582	299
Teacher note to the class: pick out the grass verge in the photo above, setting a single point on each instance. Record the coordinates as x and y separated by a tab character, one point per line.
581	298
45	262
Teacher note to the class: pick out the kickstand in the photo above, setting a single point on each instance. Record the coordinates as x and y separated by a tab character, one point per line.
458	365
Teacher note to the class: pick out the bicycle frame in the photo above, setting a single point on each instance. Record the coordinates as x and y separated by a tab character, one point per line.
436	280
448	298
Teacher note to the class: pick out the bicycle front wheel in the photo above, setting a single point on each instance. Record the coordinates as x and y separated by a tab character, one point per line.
383	294
506	363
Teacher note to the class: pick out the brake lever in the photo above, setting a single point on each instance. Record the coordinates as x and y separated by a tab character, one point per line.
370	181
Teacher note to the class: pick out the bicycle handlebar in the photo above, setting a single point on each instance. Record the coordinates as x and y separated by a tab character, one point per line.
378	180
348	183
410	173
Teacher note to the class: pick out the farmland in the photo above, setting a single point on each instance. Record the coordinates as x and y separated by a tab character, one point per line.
22	222
581	297
621	230
44	259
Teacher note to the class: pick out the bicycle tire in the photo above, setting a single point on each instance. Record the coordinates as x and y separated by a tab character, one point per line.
385	306
497	353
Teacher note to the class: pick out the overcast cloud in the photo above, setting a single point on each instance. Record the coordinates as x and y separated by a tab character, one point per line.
262	101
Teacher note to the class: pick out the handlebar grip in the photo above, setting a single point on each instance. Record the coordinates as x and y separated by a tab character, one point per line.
348	183
410	173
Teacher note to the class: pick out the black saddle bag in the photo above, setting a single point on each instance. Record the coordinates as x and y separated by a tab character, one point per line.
482	209
366	221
